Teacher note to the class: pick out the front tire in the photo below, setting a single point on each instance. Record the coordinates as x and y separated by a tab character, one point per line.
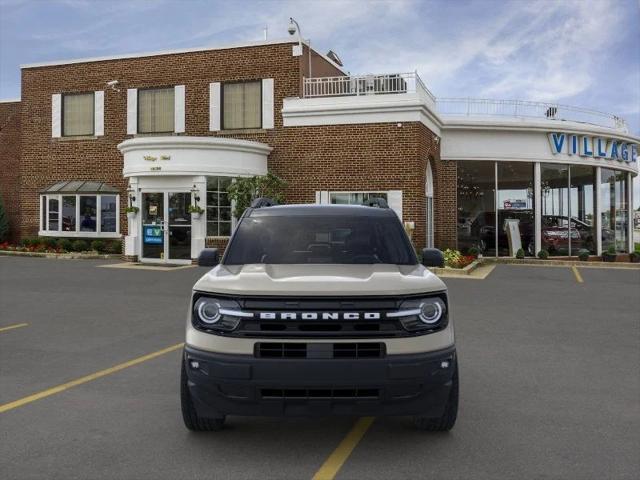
190	417
448	418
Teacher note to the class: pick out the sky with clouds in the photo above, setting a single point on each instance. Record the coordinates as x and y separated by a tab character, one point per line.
577	52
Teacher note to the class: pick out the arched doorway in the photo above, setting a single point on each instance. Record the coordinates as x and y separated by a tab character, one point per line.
428	190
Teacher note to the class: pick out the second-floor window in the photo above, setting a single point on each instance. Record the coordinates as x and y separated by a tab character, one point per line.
156	110
242	105
78	114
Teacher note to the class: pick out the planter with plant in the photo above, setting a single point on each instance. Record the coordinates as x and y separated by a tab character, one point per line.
583	254
195	211
131	212
610	255
474	252
520	254
543	254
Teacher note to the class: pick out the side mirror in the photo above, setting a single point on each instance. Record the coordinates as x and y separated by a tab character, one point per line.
432	257
208	257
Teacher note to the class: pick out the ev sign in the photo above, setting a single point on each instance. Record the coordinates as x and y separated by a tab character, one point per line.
597	147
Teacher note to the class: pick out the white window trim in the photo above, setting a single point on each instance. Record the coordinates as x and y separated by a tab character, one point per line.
45	232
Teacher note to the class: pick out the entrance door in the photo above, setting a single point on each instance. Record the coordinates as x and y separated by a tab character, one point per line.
166	227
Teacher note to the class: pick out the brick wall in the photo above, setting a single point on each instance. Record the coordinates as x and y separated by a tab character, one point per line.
340	157
10	163
47	160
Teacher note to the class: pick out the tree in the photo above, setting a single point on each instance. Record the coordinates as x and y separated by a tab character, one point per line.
246	189
4	223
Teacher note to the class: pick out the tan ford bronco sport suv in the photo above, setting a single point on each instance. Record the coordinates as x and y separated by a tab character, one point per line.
319	310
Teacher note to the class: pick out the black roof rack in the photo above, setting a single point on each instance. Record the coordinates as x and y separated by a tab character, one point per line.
378	202
261	202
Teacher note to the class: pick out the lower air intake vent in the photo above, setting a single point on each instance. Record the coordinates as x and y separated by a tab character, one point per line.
281	350
311	393
320	350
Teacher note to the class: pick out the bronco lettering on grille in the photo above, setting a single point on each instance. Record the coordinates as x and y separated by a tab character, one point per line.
319	316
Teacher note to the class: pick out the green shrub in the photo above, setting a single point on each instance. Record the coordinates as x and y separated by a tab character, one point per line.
48	242
452	257
611	250
543	254
114	247
65	244
98	245
80	246
520	253
27	242
583	254
4	223
245	189
474	252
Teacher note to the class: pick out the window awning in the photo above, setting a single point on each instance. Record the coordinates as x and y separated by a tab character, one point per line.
80	186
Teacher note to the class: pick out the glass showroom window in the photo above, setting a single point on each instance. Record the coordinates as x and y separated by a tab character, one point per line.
477	206
614	209
554	188
582	209
218	207
515	206
354	198
78	215
77	114
242	105
156	110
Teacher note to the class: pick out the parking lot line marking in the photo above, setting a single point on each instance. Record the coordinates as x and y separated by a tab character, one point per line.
334	463
11	327
94	376
576	273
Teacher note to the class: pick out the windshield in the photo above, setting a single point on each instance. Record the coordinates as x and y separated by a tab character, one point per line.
310	239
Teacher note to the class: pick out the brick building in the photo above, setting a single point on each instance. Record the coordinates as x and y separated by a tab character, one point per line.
163	131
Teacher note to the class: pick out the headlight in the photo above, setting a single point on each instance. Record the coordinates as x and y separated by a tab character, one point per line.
216	314
208	310
422	313
431	311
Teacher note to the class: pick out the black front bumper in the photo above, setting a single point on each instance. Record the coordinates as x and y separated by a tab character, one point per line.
416	384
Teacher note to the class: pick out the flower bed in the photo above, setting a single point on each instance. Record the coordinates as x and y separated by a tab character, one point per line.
63	245
455	259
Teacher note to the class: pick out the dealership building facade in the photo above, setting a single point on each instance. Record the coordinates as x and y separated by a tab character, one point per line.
167	130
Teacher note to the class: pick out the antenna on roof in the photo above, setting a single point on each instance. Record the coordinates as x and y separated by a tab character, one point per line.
266	32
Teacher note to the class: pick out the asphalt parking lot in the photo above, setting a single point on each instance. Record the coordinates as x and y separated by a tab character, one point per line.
549	372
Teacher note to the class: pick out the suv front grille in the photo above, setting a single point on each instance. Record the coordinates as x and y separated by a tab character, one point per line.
362	328
320	350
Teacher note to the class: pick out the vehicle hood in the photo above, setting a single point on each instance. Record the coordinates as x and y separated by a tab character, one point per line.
319	280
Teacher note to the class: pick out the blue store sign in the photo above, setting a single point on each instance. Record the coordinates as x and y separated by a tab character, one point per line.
152	235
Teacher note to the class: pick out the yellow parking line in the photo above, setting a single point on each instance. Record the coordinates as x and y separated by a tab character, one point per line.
576	273
11	327
334	463
85	379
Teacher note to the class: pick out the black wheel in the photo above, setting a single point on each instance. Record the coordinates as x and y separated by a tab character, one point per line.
191	419
448	418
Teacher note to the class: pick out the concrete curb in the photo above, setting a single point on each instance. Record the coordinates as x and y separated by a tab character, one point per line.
562	263
63	256
457	271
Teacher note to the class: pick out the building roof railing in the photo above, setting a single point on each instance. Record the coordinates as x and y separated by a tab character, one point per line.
479	107
370	84
401	83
